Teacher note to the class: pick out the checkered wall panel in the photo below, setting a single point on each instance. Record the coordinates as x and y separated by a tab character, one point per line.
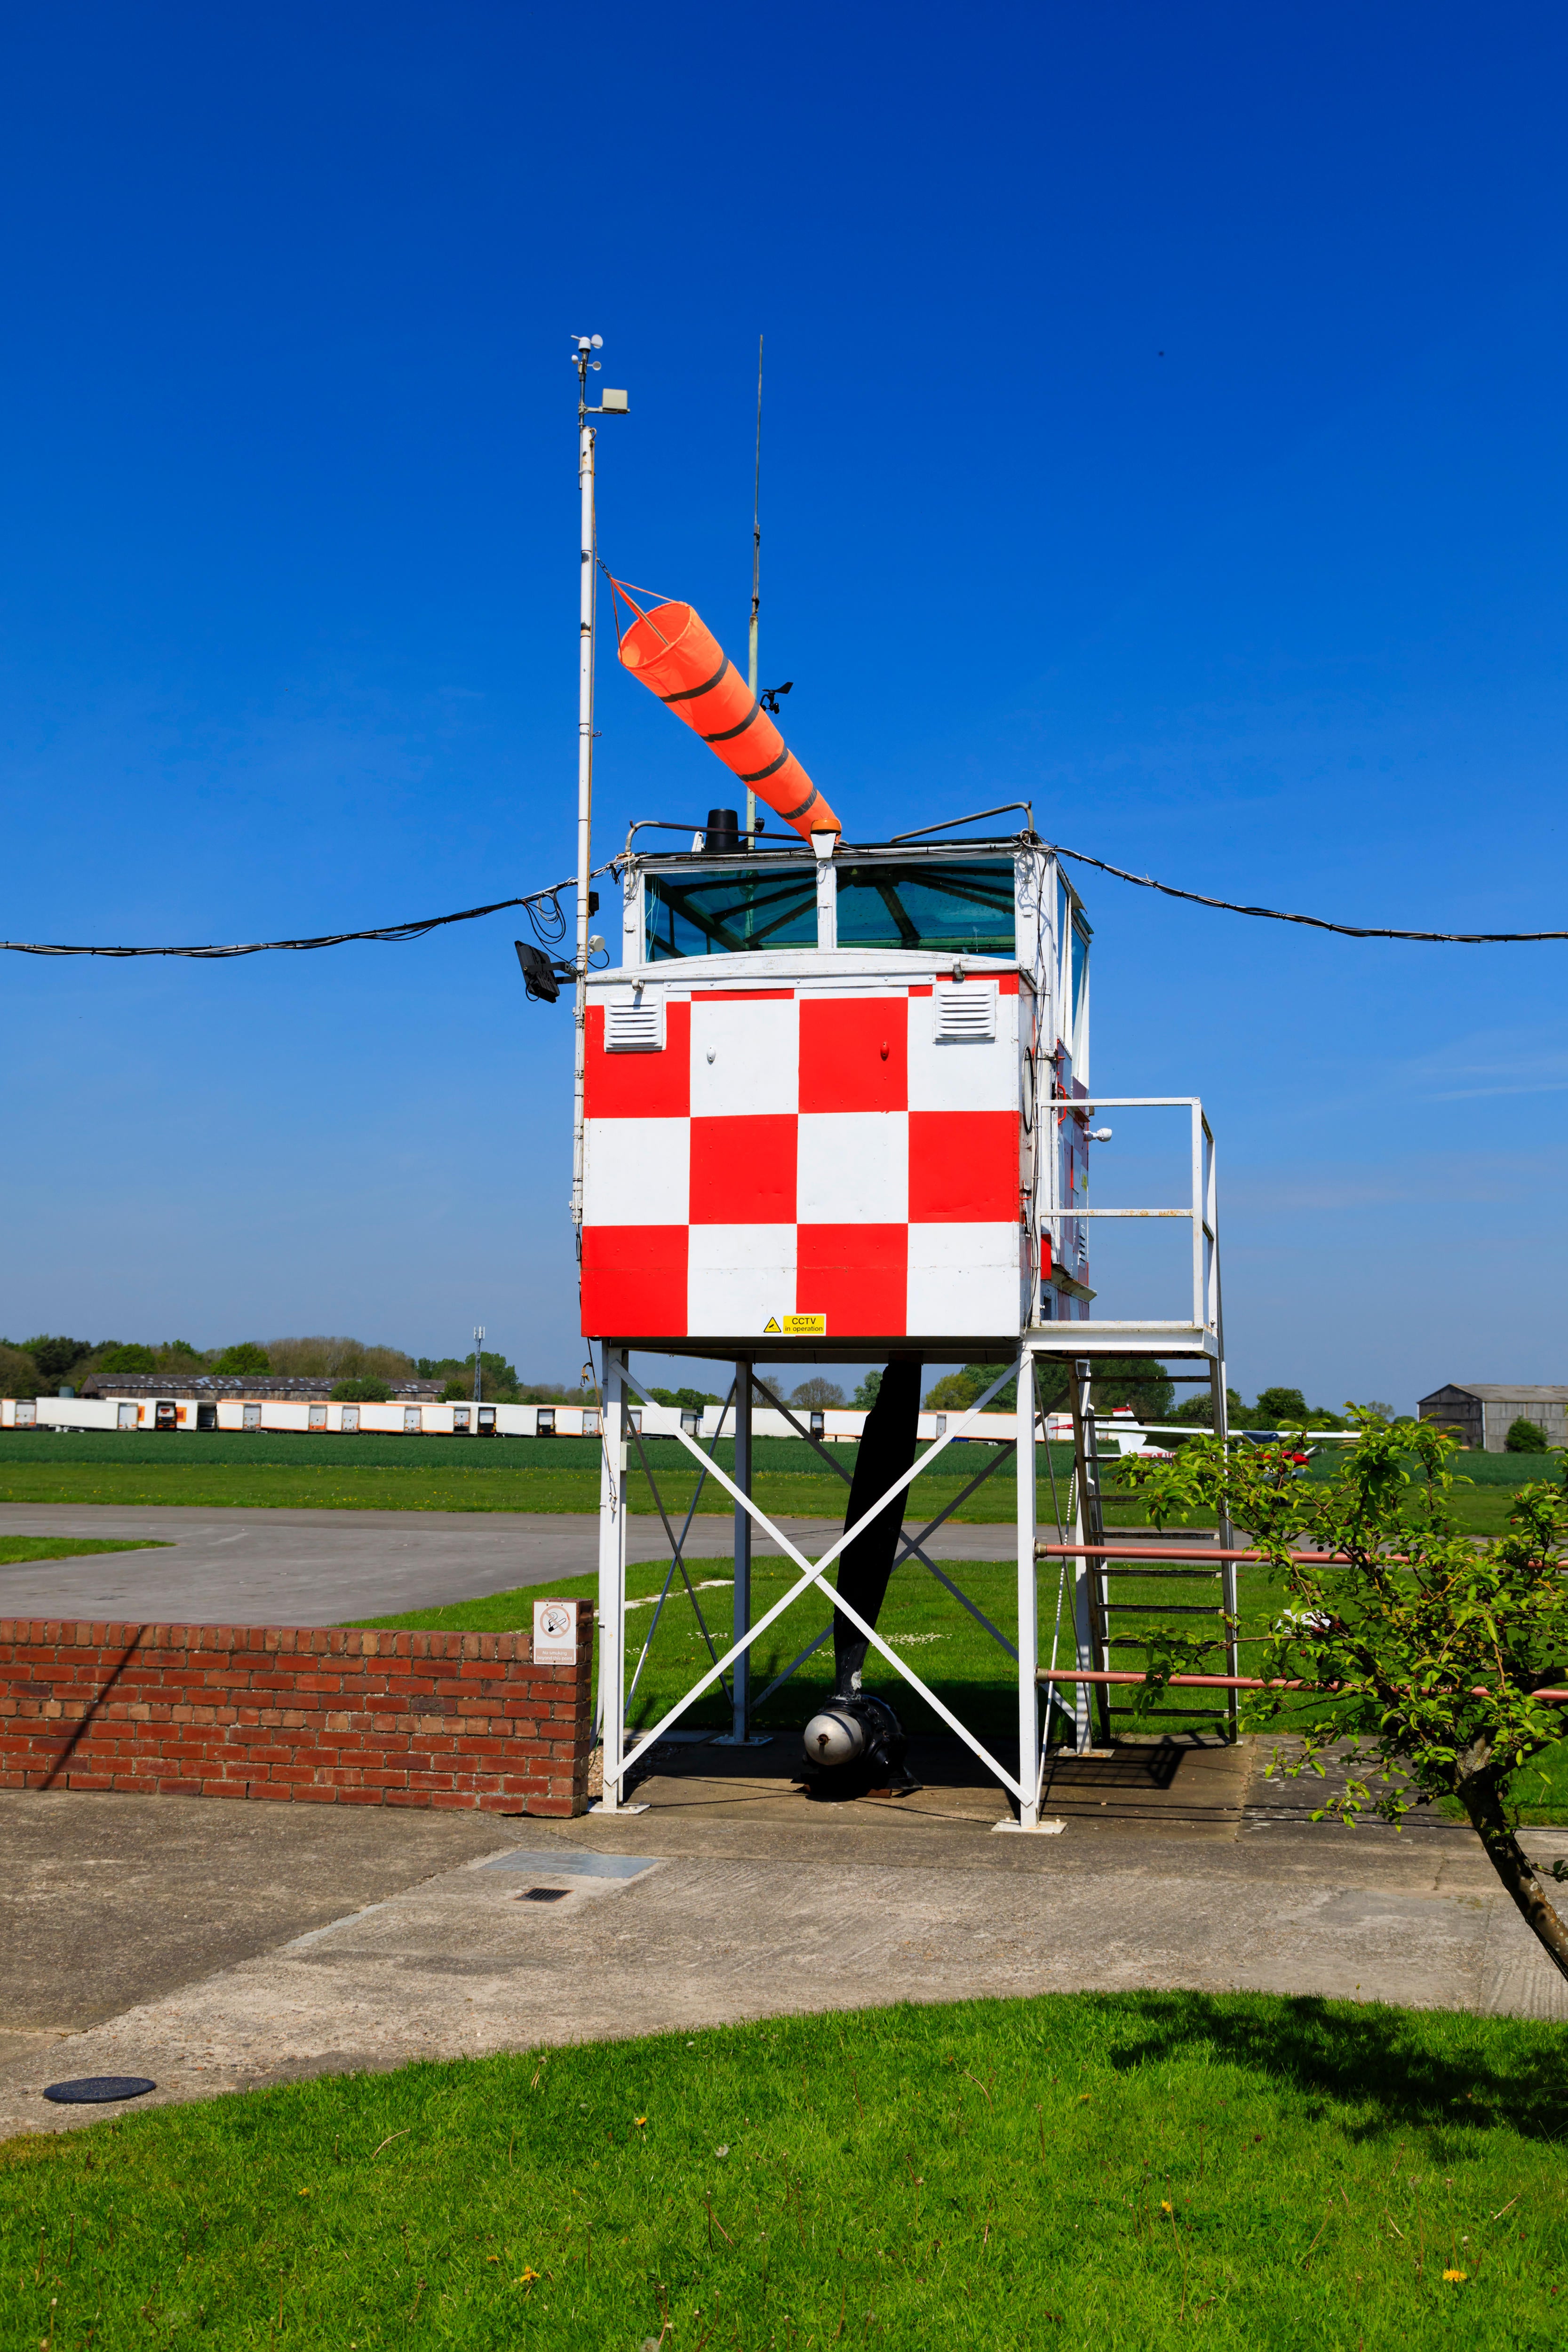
799	1152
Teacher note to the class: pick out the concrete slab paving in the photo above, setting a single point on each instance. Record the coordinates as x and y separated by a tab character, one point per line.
108	1901
323	1568
748	1899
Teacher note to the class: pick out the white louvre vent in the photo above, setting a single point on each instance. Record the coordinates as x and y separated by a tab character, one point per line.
634	1022
964	1010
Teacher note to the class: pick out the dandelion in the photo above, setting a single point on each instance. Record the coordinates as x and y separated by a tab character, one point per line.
529	2275
1455	2278
1166	2206
639	2120
304	2193
492	2258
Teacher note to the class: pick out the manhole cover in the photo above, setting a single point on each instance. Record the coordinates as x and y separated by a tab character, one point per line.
544	1894
97	2090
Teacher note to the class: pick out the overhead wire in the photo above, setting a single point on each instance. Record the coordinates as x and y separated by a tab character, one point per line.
549	920
1312	922
543	907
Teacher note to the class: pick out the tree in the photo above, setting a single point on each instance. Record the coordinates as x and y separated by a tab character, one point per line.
684	1400
818	1395
131	1357
55	1356
1276	1408
1282	1408
19	1375
248	1356
1423	1654
497	1379
367	1391
866	1395
1199	1409
1525	1437
1137	1380
319	1358
956	1391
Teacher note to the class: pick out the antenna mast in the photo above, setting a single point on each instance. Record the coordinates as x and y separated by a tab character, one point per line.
612	404
756	582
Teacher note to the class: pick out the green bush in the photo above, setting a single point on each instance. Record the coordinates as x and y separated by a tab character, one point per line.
246	1357
129	1359
1525	1437
363	1391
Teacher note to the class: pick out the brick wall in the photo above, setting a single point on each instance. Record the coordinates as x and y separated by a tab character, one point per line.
322	1716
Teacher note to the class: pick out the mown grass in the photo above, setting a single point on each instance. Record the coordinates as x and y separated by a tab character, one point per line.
262	1472
1135	2171
20	1548
432	1474
953	1655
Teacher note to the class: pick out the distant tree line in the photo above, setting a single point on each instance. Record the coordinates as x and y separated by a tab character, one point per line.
38	1366
358	1370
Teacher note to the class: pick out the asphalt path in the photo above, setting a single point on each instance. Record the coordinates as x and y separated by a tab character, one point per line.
326	1568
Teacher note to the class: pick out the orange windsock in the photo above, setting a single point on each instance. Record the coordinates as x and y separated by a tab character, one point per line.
679	659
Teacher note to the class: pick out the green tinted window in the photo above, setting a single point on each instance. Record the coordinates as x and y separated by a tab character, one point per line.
954	910
725	914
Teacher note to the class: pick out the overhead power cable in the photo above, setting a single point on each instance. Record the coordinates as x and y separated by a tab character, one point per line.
543	908
549	925
1313	922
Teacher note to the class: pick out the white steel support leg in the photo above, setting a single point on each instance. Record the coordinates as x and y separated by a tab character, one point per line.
1029	1772
1028	1604
613	1585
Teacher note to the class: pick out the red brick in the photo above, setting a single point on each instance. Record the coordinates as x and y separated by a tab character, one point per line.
322	1715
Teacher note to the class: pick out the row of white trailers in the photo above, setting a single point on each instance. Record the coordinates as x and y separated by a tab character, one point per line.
299	1416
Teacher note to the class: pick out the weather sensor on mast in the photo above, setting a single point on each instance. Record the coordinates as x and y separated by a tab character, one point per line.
612	404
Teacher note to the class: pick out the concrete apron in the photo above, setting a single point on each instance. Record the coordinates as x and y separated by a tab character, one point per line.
224	1946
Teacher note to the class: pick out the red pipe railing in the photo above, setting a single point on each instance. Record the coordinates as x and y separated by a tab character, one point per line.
1147	1551
1240	1682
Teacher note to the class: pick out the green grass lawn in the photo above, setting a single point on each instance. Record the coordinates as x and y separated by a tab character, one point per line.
16	1548
953	1655
261	1472
433	1474
1135	2171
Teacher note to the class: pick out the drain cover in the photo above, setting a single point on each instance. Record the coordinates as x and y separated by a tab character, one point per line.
97	2090
544	1894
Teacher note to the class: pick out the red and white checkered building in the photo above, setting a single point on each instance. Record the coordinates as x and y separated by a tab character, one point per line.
850	1145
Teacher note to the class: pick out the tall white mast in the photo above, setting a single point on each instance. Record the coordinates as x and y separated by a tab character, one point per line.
614	403
756	581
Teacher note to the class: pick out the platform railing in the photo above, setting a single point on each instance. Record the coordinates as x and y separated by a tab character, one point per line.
1201	1210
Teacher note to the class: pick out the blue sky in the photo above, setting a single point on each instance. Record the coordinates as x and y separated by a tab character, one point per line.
1164	423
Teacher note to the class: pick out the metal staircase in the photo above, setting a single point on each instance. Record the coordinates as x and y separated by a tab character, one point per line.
1100	1577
